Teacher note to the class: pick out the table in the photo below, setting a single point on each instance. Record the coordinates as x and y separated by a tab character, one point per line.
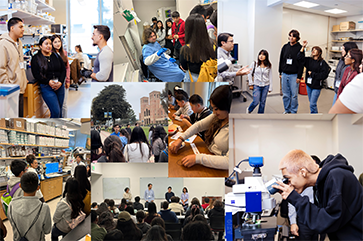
176	169
80	231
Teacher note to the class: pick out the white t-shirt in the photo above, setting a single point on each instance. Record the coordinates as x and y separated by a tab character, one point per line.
132	152
352	95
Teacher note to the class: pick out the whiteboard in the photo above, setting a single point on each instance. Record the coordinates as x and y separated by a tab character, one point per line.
160	186
114	188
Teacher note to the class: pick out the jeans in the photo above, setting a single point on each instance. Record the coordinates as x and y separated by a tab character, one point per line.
56	233
187	77
289	92
335	98
53	99
259	97
313	95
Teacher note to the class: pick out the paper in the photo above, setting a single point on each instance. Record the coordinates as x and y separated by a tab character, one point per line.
191	139
176	135
194	148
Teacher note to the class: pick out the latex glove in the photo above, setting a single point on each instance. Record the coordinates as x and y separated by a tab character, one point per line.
172	60
161	51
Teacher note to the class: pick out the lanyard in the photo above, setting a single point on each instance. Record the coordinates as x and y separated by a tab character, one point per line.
350	72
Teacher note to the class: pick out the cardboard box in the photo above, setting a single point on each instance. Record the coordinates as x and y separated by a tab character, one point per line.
17	124
347	26
336	28
2	122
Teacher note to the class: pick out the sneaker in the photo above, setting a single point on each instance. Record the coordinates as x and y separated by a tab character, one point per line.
247	112
285	112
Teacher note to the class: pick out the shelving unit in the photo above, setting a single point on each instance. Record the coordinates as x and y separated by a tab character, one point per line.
45	7
30	19
12	144
344	41
21	158
348	31
356	34
34	133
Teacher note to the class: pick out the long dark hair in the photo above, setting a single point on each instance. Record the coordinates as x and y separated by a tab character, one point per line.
167	27
96	142
42	60
156	232
356	54
125	133
222	99
80	173
138	136
348	46
159	132
196	37
129	229
317	48
113	148
266	62
73	195
61	51
146	34
151	209
162	25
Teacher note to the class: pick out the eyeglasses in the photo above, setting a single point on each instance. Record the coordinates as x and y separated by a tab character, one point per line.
347	57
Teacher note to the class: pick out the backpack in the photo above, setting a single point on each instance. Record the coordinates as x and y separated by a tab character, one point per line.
22	237
208	71
8	196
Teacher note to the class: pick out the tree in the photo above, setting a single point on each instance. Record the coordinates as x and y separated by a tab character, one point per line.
112	99
164	98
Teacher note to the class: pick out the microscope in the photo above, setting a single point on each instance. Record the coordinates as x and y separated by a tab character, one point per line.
249	207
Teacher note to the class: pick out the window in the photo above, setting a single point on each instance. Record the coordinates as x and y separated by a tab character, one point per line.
83	15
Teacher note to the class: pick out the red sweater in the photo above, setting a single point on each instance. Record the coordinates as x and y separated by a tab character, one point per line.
181	32
346	80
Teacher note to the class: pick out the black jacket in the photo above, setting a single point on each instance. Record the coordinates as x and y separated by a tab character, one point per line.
319	71
55	68
138	206
338	208
288	52
193	118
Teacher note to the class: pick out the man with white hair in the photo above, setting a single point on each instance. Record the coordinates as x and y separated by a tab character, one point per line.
338	196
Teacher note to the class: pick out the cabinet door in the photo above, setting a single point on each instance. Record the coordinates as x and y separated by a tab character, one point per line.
2	214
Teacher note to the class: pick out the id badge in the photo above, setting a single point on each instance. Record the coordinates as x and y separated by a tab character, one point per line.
289	61
309	80
337	84
22	65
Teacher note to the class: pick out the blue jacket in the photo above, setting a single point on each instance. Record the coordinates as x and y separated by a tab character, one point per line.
168	216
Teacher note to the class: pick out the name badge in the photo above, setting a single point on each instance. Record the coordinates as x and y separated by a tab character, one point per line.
309	80
22	65
289	61
337	84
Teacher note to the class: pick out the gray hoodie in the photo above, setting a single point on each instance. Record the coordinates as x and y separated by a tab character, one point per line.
62	216
23	211
13	181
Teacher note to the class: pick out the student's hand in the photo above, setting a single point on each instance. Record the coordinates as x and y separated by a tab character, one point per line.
309	72
174	115
67	85
172	60
280	76
285	189
243	71
57	85
298	80
161	51
176	145
176	36
188	161
182	116
294	229
305	43
251	87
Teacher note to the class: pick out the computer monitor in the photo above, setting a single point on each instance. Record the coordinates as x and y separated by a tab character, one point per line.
51	167
234	52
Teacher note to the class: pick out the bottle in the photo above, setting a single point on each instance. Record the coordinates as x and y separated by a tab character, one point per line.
17	5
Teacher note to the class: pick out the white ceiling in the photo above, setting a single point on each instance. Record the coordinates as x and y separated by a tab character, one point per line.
353	7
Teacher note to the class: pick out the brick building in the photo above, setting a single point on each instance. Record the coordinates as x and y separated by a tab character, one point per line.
151	110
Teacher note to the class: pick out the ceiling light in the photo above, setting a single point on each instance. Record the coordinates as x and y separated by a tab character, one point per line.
335	11
305	4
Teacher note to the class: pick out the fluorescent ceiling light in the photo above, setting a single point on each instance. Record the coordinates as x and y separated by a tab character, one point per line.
335	11
305	4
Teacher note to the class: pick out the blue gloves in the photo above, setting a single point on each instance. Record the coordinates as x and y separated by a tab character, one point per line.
161	51
172	60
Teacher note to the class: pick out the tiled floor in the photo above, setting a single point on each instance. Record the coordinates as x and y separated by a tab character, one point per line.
52	205
79	103
275	105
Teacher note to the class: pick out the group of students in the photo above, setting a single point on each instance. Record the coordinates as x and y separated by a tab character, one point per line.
126	145
133	223
191	42
30	216
213	128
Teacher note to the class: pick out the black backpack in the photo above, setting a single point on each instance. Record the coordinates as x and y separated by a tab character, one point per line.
22	237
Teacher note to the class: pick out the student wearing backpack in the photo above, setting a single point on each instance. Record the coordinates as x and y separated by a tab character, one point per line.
18	168
69	210
260	81
29	217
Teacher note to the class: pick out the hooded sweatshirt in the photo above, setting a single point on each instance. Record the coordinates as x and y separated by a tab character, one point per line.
338	208
291	52
19	193
11	54
22	211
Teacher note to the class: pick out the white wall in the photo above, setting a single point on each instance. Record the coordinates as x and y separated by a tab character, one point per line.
273	139
60	12
185	6
197	187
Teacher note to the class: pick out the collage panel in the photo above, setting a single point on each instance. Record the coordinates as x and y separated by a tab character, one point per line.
142	195
45	171
165	41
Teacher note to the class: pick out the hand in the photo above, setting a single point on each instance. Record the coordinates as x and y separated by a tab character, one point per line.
243	71
305	43
284	188
176	145
51	83
161	51
189	161
294	229
251	87
298	80
172	60
57	86
174	115
280	76
182	116
67	85
309	72
176	36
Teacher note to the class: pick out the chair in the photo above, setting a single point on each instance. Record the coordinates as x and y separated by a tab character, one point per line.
147	73
173	229
216	224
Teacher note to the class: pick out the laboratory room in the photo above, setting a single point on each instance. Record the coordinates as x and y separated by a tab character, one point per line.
198	116
56	33
295	178
44	166
165	40
298	58
126	196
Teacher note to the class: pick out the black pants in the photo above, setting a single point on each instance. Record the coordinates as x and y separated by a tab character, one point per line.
177	48
21	105
305	233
